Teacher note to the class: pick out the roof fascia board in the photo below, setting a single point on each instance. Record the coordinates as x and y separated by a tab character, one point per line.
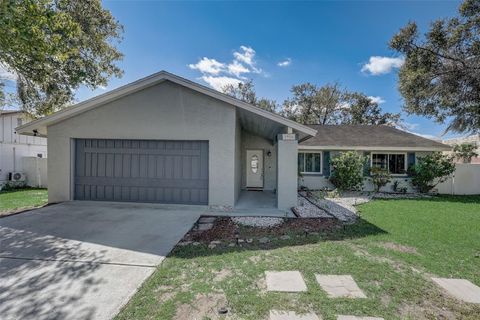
367	148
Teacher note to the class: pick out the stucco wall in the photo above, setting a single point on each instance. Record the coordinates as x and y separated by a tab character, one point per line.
165	111
287	173
238	158
251	141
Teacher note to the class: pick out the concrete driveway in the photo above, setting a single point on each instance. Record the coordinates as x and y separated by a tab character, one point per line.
83	260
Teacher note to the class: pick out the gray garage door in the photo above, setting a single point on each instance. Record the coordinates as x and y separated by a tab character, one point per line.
141	171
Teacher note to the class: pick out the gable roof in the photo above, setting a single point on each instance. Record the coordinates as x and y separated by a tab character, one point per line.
368	137
40	125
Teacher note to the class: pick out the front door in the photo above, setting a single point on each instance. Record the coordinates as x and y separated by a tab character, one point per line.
254	168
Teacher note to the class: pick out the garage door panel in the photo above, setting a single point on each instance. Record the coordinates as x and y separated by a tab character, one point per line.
142	171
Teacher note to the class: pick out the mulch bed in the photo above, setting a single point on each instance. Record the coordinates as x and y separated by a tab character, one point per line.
224	229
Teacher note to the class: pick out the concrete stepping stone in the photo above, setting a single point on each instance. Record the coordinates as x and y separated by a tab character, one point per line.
289	315
339	286
286	281
461	289
357	318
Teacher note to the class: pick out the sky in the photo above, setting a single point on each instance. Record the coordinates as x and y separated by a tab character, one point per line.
276	44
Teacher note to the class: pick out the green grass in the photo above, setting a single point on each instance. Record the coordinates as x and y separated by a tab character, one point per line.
391	253
22	198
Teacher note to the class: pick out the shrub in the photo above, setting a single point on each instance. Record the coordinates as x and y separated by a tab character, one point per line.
465	152
431	170
380	177
347	171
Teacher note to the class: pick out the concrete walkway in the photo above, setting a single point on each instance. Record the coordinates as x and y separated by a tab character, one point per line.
83	260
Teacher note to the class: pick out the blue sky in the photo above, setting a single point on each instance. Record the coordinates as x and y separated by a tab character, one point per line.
322	41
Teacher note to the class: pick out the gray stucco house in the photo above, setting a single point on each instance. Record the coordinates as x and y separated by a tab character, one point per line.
166	139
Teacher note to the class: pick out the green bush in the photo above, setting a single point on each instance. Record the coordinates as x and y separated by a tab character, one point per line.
431	170
347	171
380	177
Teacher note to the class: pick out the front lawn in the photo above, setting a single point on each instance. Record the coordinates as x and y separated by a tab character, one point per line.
391	253
22	199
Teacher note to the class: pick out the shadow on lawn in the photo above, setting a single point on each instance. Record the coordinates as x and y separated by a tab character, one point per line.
226	232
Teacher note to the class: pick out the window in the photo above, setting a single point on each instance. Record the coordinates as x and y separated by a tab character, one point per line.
310	162
395	163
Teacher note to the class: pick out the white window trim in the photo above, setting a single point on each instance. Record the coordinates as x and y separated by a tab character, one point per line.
321	162
388	169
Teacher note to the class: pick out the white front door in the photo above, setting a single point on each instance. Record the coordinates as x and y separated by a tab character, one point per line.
254	168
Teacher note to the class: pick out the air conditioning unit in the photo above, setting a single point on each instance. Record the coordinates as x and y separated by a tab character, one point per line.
17	176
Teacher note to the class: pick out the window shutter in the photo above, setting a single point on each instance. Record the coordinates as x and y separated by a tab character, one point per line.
410	160
326	163
366	165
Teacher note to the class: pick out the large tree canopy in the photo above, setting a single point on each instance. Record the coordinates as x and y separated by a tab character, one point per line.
330	104
245	91
54	46
441	75
360	109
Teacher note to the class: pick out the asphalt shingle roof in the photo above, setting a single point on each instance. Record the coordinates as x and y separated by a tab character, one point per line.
368	136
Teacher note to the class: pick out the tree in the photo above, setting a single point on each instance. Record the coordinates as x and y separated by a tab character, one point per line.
54	46
380	177
245	91
347	171
363	110
440	78
315	105
465	152
431	170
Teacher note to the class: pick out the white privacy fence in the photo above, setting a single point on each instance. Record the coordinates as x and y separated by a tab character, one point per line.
465	180
36	171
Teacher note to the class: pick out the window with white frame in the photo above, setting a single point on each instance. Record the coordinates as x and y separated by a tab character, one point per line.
310	162
395	163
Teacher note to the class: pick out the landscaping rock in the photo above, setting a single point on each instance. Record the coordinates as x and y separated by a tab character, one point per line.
285	237
259	222
204	226
264	240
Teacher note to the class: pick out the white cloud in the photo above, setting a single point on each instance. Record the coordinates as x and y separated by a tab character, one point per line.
218	74
236	68
285	63
218	83
409	127
377	100
246	55
206	65
382	65
6	75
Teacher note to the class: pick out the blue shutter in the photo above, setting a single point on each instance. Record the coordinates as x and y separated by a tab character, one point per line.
410	160
366	165
326	163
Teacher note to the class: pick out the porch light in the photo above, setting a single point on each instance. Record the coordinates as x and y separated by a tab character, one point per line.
269	153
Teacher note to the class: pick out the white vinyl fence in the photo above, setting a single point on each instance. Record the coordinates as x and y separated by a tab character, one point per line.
36	171
465	180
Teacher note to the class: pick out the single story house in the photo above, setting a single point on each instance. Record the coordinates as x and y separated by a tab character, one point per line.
166	139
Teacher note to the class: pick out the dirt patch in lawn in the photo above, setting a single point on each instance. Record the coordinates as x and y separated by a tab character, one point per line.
398	247
222	275
203	306
224	229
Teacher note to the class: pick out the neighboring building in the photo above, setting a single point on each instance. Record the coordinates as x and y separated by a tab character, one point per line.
473	139
14	147
166	139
